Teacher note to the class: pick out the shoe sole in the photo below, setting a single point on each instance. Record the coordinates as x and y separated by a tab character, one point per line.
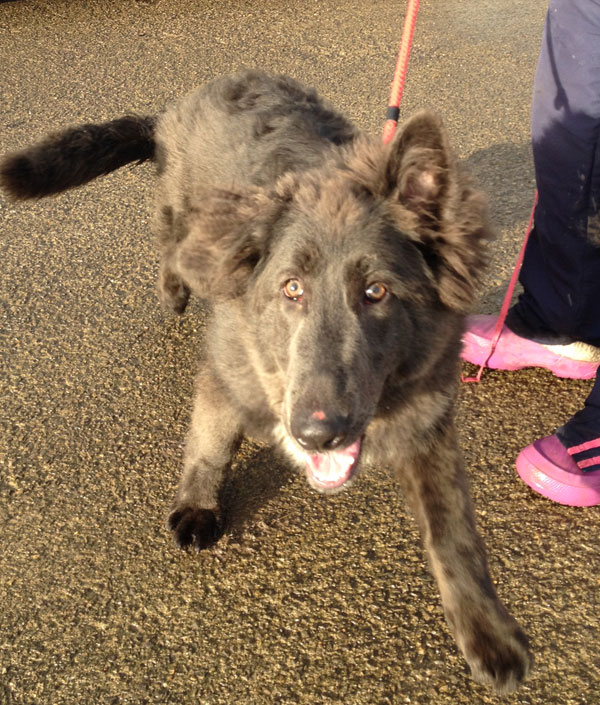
545	478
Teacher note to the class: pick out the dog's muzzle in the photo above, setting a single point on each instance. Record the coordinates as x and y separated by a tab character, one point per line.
330	471
326	443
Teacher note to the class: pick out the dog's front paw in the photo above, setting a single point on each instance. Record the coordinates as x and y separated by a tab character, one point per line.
194	526
498	654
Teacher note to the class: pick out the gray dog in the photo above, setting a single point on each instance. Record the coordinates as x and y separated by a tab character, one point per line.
339	272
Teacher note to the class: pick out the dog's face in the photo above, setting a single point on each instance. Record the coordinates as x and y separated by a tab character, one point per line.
338	301
348	272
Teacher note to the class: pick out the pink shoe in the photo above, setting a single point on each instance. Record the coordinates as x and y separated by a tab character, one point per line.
547	468
514	352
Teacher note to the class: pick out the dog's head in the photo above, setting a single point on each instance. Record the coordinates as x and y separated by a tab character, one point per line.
356	275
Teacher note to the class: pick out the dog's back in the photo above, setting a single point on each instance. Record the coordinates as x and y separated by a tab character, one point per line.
246	130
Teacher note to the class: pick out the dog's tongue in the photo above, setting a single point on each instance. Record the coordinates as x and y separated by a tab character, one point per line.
331	470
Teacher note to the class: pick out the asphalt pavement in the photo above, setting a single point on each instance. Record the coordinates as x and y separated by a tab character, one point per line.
308	599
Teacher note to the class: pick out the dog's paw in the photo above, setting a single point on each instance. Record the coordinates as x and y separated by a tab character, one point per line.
498	655
195	527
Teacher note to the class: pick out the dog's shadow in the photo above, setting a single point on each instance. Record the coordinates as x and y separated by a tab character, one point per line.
257	475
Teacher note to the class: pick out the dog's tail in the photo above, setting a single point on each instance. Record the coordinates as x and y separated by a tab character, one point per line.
77	155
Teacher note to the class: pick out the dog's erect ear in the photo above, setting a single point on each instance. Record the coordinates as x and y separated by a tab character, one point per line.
226	237
430	199
419	168
452	223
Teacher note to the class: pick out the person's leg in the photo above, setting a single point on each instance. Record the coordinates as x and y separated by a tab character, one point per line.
561	269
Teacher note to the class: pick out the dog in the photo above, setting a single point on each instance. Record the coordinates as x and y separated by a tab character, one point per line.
339	271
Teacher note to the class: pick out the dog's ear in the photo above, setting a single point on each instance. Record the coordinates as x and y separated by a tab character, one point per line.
226	238
419	169
429	198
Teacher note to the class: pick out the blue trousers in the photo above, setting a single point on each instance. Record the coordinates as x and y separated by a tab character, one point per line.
561	269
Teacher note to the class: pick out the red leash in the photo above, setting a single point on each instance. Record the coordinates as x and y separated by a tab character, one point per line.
392	115
393	111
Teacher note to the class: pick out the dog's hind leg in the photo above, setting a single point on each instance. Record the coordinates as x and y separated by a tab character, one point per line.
173	293
195	518
170	229
491	640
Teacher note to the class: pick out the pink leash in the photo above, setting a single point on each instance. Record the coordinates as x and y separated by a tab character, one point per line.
507	299
392	115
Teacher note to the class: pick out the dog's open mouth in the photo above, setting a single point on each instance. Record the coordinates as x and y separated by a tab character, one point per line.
331	471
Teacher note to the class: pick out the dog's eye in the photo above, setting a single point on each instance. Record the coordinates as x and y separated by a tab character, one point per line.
293	289
375	293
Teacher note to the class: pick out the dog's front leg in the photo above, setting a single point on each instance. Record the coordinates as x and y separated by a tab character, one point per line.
492	642
196	518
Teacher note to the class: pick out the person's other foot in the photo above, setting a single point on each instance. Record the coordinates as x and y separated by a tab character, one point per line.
550	470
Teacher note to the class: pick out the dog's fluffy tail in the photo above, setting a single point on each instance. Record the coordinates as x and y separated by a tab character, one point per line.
77	155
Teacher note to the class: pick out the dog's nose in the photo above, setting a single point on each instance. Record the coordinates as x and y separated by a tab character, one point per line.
321	431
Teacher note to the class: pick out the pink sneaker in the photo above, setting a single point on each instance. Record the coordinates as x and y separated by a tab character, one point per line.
575	361
547	468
